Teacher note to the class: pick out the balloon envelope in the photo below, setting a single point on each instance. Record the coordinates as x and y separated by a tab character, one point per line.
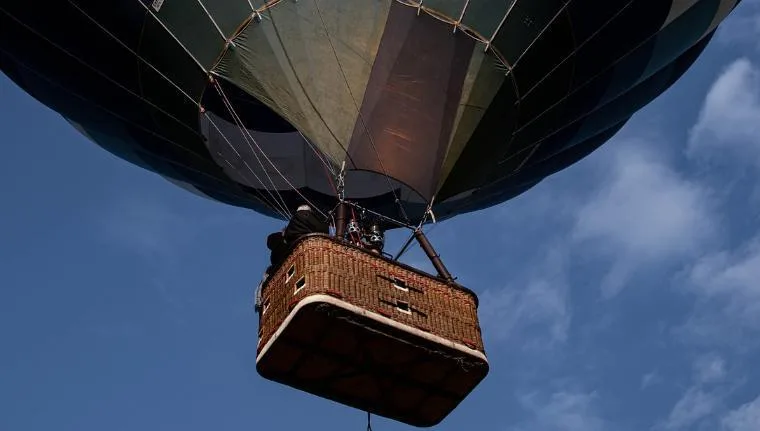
258	104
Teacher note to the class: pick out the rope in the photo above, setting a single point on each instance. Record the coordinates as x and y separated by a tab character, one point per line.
319	154
278	209
243	132
187	51
213	21
237	118
281	210
328	168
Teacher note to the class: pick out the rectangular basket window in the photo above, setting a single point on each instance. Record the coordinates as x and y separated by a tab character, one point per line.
399	284
291	272
300	284
403	307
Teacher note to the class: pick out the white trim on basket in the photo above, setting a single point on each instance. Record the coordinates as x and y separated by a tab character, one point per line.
374	316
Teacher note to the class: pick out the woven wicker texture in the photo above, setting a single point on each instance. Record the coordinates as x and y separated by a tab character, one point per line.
321	265
329	347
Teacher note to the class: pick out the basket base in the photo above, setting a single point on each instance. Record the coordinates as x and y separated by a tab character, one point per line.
332	349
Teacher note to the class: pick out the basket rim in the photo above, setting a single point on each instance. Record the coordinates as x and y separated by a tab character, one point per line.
326	299
325	237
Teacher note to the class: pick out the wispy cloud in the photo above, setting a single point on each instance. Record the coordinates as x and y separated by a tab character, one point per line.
729	121
650	379
644	212
725	284
534	308
562	410
732	276
699	401
744	418
724	280
709	368
694	405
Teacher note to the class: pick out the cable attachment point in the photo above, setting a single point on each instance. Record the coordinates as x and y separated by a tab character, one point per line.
341	182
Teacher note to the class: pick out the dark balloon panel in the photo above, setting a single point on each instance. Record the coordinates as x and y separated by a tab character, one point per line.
260	108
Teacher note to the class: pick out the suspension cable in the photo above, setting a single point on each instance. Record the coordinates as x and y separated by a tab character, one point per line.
104	29
280	208
235	114
167	79
243	131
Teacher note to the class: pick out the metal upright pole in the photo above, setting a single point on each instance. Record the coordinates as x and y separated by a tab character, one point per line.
340	221
432	255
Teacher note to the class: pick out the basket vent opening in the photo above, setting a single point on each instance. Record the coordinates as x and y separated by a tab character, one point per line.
403	307
400	284
291	272
300	284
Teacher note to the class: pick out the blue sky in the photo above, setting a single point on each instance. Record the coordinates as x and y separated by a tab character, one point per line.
621	294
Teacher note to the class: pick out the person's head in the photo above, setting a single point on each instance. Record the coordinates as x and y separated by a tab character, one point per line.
304	208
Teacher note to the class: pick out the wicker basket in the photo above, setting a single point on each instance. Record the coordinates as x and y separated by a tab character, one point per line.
370	333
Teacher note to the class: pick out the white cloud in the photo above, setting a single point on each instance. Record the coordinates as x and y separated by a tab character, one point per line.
703	400
729	279
563	410
696	404
745	418
646	209
538	305
729	122
644	212
709	368
650	379
725	281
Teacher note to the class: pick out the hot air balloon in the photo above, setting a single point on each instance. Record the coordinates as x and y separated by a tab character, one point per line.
410	110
